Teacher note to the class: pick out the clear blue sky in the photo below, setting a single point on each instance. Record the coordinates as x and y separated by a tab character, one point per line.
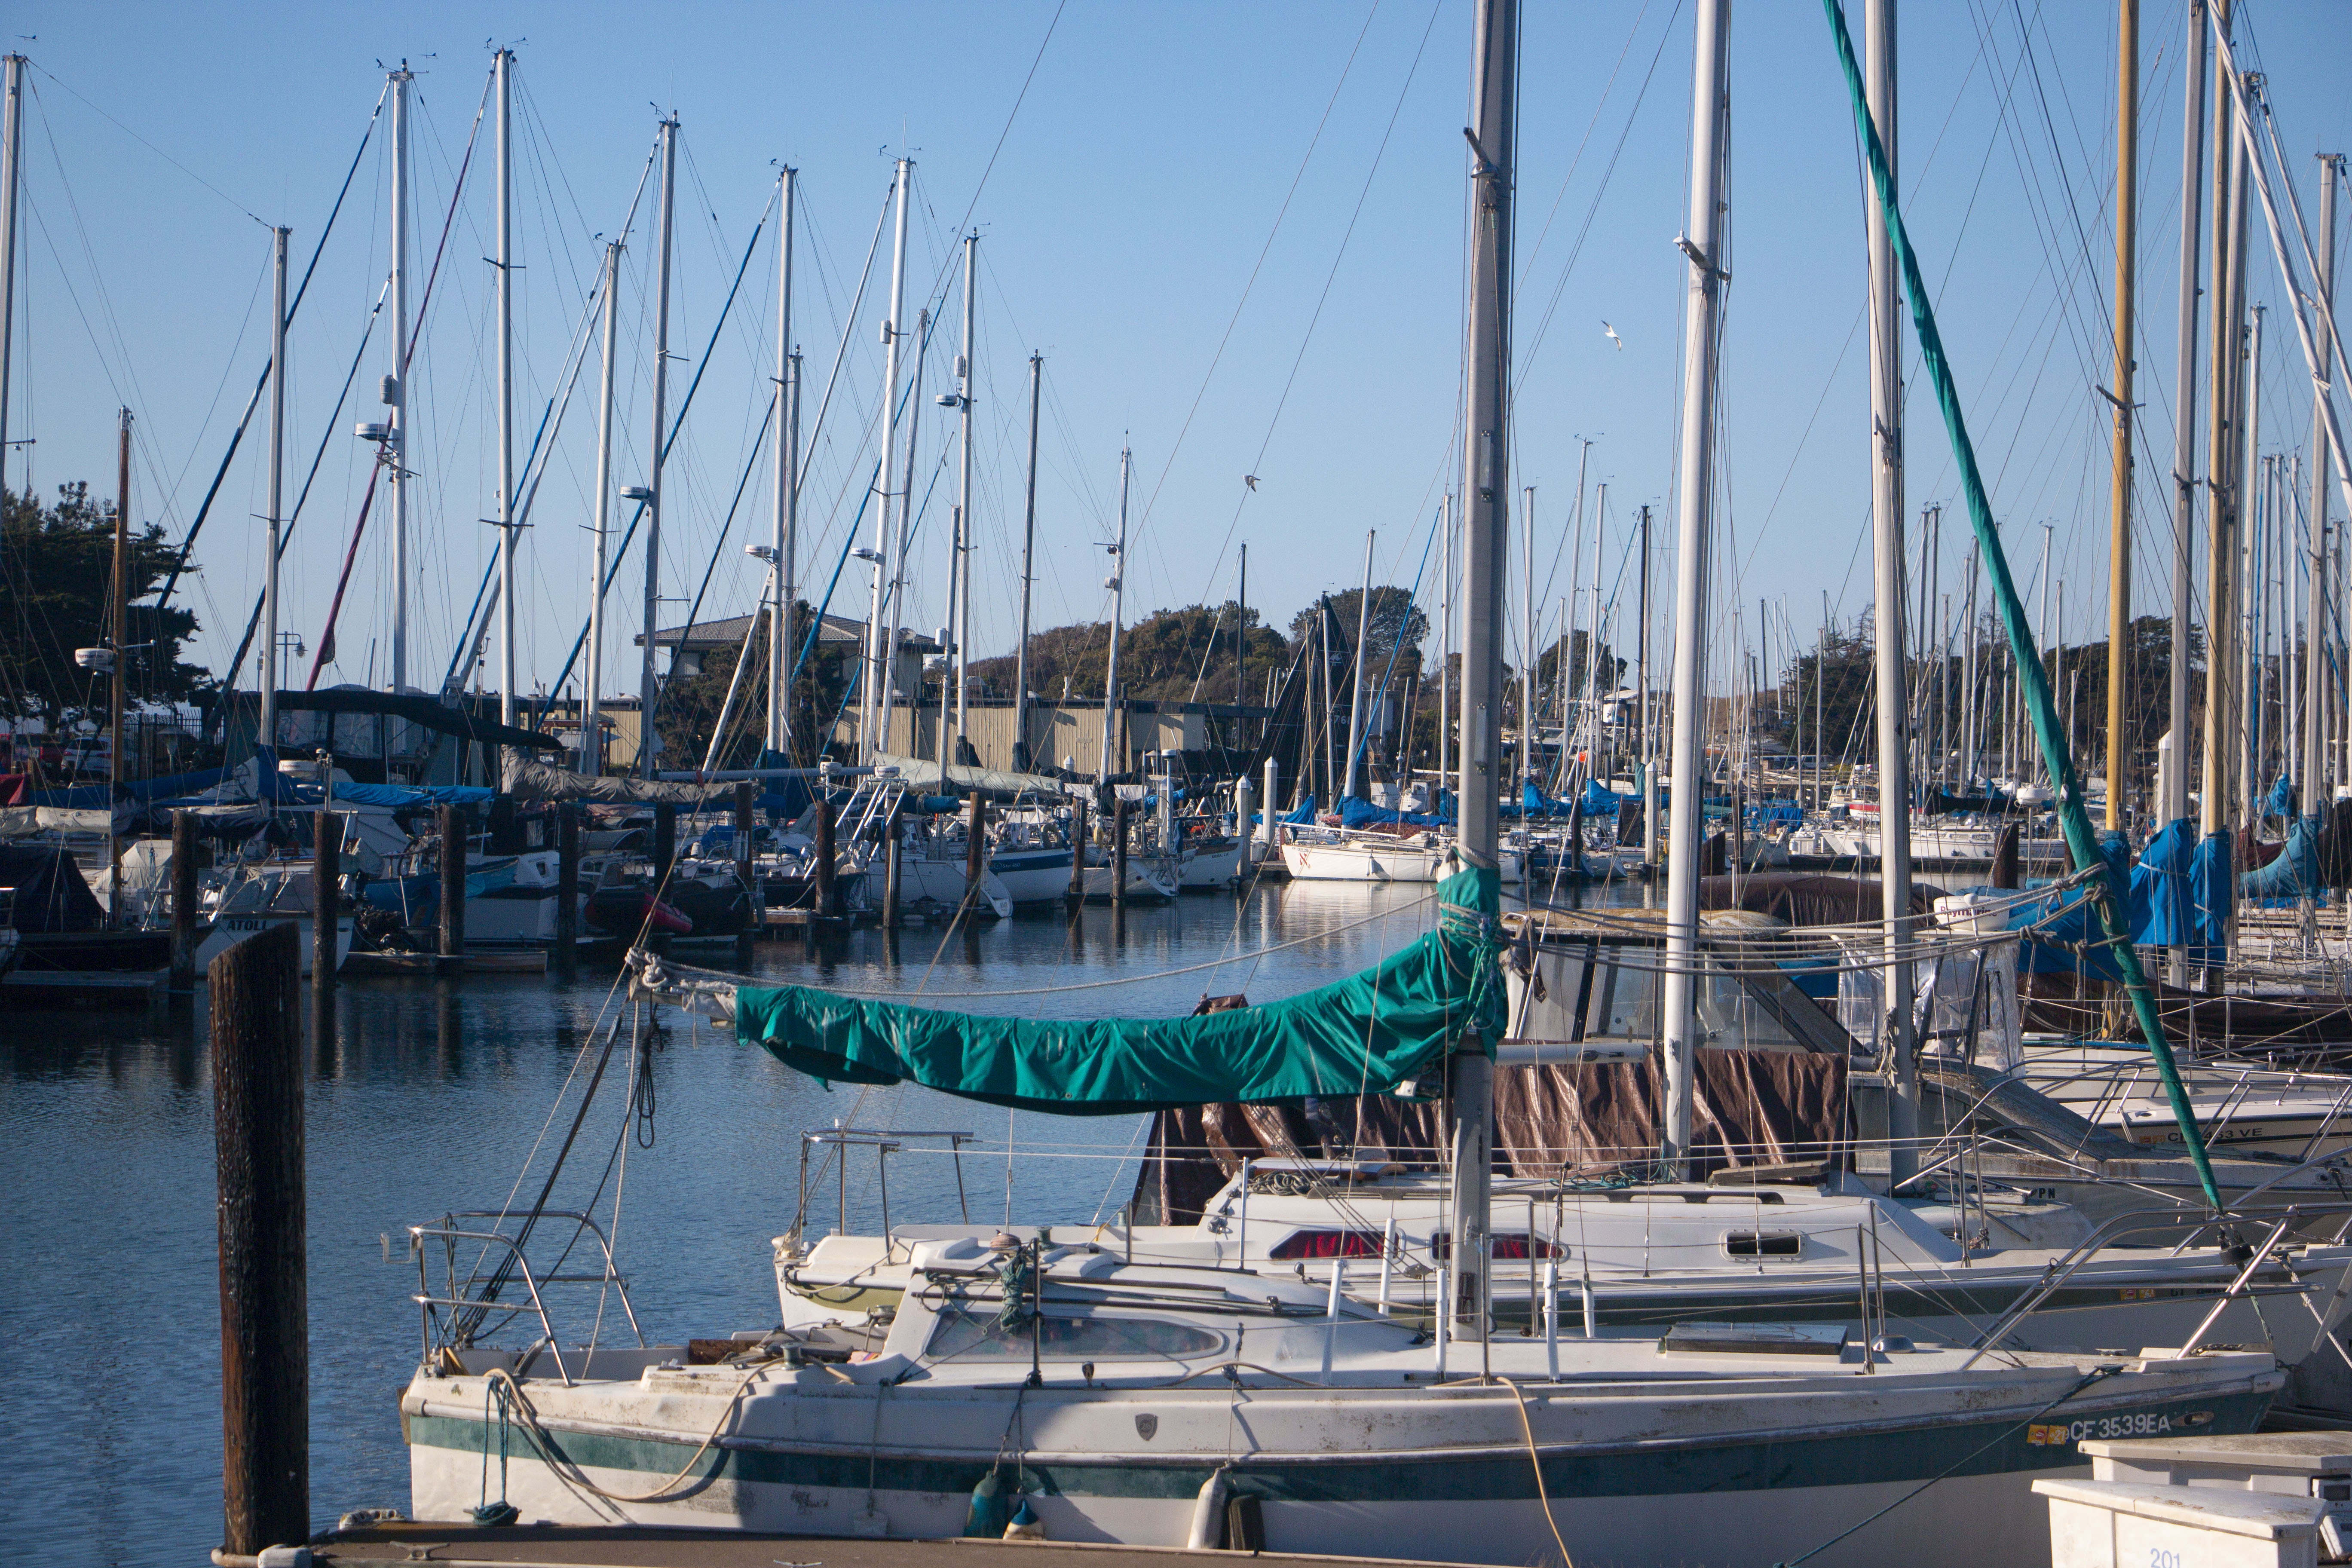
1149	168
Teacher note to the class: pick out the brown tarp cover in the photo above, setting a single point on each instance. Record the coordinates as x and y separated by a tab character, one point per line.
1805	898
1752	1108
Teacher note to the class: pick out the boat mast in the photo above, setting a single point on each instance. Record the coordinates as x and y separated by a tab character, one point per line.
1493	138
1028	576
1240	635
1445	637
2314	704
1528	632
649	743
397	470
2222	350
1592	639
874	694
1356	685
960	607
118	611
1118	586
786	543
592	733
1693	507
2119	531
2245	723
276	519
12	140
503	64
1642	678
2184	430
1886	553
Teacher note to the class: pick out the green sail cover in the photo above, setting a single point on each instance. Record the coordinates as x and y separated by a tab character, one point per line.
1371	1033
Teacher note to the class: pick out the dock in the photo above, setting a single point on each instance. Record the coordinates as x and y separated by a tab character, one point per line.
625	1546
95	988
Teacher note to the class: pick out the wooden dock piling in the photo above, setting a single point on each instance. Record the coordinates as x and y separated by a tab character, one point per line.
183	902
256	1036
1077	893
567	886
826	907
894	833
452	945
975	855
665	843
744	798
326	915
1119	858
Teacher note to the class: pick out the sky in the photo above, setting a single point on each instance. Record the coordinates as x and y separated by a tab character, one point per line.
1234	233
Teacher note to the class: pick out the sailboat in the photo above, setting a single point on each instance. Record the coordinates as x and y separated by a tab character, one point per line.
1216	1403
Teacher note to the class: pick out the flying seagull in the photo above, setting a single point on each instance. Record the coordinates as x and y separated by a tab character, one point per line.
1250	479
1611	333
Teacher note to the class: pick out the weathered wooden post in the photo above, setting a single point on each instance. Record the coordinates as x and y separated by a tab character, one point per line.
257	1037
567	886
894	833
1077	893
743	808
326	915
183	902
1118	860
452	947
975	855
825	868
665	843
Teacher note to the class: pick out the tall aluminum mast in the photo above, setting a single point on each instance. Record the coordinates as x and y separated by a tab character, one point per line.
396	464
268	682
592	748
1112	707
12	142
1356	686
1028	576
648	692
1887	559
2184	425
1693	509
786	543
2221	369
873	695
1487	498
2316	706
960	611
504	64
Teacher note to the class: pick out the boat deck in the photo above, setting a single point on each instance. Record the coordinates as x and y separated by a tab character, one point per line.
625	1546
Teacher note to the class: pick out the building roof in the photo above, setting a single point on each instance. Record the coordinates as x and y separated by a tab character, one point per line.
838	631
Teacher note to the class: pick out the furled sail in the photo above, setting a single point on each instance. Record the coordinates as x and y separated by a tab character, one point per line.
1383	1031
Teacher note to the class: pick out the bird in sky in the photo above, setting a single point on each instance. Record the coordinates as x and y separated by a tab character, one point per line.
1611	333
1250	479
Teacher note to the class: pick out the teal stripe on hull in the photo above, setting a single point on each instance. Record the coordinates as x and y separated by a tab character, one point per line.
1843	1459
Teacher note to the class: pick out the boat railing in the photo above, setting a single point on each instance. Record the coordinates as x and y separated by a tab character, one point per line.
2110	1233
475	1293
837	1142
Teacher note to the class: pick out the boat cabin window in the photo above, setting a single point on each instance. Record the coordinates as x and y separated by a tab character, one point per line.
1736	1020
1763	1243
970	1333
1326	1244
1503	1243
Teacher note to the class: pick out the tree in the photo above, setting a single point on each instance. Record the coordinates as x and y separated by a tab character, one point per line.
1171	656
1397	624
1839	679
57	573
690	705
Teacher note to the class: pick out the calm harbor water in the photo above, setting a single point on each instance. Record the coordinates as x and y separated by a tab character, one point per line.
432	1096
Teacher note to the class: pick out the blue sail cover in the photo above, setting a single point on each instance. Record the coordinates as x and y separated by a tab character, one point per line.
94	797
1602	802
2161	888
2279	801
2210	893
2297	873
2061	934
1357	812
